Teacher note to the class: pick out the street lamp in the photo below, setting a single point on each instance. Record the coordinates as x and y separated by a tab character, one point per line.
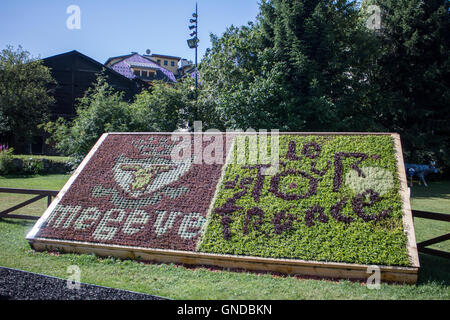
193	42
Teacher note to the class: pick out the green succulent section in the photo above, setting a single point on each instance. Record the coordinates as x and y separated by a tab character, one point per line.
378	241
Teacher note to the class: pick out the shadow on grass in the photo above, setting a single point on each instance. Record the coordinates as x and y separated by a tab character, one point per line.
23	176
438	189
19	222
433	269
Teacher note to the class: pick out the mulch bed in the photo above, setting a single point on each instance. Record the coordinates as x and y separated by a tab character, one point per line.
21	285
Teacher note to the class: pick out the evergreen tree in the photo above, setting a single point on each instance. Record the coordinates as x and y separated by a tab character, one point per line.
414	76
298	68
319	49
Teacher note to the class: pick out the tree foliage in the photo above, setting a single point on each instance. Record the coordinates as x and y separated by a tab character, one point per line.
414	76
300	67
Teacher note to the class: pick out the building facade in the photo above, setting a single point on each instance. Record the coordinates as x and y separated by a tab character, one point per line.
143	67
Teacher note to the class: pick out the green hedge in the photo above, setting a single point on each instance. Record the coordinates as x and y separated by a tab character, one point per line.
30	164
273	226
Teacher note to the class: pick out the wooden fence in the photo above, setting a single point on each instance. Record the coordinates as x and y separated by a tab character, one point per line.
40	194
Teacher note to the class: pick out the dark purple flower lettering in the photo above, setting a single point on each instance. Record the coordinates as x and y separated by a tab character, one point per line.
310	216
275	181
336	212
309	153
291	151
282	222
339	170
359	204
253	212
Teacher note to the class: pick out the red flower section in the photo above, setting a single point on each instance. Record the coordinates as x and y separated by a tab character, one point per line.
131	193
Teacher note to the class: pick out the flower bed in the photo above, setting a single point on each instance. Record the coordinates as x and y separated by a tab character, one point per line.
313	208
335	205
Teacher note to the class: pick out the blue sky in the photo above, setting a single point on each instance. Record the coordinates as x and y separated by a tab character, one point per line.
112	28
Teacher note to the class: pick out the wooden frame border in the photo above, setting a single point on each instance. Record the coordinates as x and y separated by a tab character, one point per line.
286	266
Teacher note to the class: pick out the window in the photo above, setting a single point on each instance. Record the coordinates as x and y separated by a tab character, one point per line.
158	62
137	73
172	63
165	62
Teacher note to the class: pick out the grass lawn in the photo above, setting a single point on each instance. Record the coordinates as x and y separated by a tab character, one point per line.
435	198
198	283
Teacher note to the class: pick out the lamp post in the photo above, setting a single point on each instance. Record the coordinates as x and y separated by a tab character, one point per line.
193	42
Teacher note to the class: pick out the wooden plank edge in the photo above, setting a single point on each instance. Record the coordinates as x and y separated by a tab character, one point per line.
268	133
408	222
286	266
66	187
431	215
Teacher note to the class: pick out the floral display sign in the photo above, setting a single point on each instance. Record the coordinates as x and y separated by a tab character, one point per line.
334	198
333	201
131	192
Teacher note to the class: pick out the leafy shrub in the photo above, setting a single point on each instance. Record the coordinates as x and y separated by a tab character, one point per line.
33	166
6	160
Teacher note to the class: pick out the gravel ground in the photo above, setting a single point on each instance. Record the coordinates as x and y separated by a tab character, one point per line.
21	285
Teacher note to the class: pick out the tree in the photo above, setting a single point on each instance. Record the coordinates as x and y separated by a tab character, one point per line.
323	52
300	67
238	89
414	76
24	93
163	108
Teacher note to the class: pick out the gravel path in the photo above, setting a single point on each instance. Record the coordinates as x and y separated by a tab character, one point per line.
21	285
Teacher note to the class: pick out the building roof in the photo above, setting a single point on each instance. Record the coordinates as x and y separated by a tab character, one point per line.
144	65
165	56
128	61
118	57
74	73
89	59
